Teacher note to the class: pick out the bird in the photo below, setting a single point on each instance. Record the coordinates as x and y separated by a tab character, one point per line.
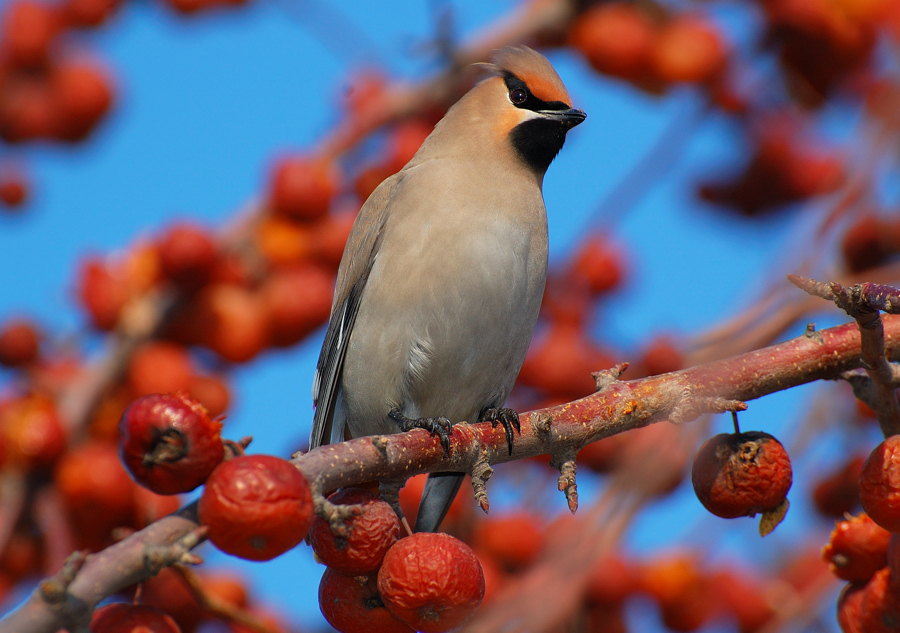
442	276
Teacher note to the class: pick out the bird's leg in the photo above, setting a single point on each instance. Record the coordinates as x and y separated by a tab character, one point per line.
509	418
439	426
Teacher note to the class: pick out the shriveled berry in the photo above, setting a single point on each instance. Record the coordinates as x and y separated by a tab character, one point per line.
431	581
741	474
857	548
879	484
169	443
132	618
849	608
880	612
352	605
256	506
365	537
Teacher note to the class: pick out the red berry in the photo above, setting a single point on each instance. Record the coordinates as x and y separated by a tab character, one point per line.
514	540
297	301
561	361
302	187
598	265
857	549
103	292
838	493
83	93
149	507
879	484
97	492
231	321
612	580
132	618
187	254
863	245
662	356
256	507
226	587
19	341
88	13
681	590
169	590
741	474
431	581
615	37
352	605
284	242
169	443
689	49
32	432
406	139
603	455
159	367
212	392
411	496
329	236
13	187
360	547
27	30
748	599
188	7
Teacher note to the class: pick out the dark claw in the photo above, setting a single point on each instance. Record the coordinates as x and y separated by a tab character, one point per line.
439	426
509	418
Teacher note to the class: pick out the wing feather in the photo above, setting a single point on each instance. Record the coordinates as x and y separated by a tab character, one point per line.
356	264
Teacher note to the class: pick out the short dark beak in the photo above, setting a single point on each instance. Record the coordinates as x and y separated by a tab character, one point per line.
569	118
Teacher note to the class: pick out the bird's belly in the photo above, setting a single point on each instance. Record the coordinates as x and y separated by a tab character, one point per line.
453	338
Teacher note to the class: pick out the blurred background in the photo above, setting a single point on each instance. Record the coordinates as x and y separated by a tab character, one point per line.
177	178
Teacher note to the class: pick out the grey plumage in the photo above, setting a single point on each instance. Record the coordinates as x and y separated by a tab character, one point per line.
441	280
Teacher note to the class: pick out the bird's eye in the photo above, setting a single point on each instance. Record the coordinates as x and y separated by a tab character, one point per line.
518	96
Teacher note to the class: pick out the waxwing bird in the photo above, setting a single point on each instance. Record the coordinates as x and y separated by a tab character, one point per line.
441	280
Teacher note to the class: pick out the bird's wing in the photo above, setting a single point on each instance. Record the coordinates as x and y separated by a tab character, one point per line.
359	256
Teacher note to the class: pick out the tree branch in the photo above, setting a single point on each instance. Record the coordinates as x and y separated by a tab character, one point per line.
864	302
619	406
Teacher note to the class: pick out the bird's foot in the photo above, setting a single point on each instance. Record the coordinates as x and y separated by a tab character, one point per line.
439	426
509	418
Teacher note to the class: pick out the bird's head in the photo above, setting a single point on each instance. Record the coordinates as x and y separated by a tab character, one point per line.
527	104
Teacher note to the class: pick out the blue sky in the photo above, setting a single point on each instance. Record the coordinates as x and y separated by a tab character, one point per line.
204	105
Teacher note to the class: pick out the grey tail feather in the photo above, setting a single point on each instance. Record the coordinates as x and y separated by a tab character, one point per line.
440	490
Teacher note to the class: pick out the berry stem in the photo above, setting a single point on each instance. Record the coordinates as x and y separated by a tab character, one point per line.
737	428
